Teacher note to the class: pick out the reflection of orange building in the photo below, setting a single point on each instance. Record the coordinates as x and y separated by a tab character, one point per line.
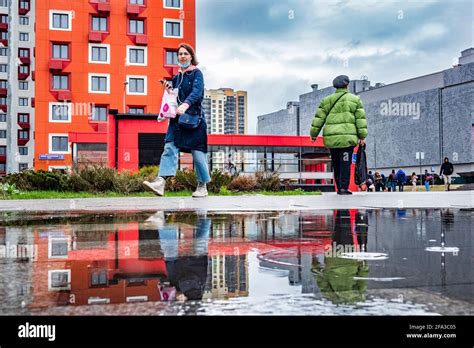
108	53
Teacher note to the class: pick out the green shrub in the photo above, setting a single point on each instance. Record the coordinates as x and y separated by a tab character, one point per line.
102	179
8	190
78	184
218	180
148	172
268	181
186	178
243	183
126	183
173	185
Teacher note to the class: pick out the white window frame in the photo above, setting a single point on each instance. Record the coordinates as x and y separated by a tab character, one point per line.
50	169
144	48
172	20
26	35
145	84
98	300
50	247
174	8
50	272
69	13
107	46
69	113
99	75
50	144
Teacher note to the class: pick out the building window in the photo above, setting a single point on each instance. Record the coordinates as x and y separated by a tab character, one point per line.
3	51
137	85
3	117
171	57
24	118
99	24
136	26
136	110
22	167
3	133
60	82
22	101
4	68
3	3
172	3
60	20
25	4
24	69
3	84
60	112
23	85
3	35
137	2
99	83
99	278
99	53
3	101
3	18
24	20
60	51
58	247
59	279
58	143
23	150
24	37
137	55
99	113
173	28
24	52
23	135
3	167
3	150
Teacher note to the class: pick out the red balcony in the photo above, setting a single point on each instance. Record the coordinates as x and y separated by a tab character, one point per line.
57	64
3	159
100	6
21	7
4	108
33	75
4	43
24	125
23	76
3	26
172	70
62	95
140	39
23	142
96	36
25	60
98	126
33	101
3	92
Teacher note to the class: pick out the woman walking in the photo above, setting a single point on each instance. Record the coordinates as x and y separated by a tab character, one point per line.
190	84
414	178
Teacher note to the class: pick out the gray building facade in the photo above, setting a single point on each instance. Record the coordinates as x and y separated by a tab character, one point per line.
431	114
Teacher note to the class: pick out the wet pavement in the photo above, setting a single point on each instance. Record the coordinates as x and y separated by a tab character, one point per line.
325	262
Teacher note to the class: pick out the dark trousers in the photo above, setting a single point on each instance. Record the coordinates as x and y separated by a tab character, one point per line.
341	163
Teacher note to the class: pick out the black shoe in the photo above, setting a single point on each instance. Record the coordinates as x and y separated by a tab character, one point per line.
344	192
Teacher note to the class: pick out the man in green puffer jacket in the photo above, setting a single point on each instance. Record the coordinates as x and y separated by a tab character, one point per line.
344	116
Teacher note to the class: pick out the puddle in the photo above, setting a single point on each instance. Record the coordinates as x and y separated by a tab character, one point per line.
337	262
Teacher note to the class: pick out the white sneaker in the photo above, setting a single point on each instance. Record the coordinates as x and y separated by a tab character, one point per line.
157	186
157	220
201	191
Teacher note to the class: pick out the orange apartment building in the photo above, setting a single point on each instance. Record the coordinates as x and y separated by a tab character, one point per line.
96	55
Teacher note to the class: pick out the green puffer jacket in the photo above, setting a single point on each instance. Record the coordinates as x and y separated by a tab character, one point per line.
344	125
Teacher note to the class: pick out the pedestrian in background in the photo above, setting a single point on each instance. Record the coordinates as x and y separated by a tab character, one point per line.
401	179
428	179
392	181
446	171
414	178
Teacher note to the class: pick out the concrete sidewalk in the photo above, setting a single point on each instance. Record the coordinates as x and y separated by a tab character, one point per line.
359	200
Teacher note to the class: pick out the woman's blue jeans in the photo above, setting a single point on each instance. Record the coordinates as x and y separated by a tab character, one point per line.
169	163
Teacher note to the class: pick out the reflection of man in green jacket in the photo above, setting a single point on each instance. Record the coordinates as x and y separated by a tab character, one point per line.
335	278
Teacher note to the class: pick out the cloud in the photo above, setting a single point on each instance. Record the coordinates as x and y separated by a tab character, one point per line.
275	49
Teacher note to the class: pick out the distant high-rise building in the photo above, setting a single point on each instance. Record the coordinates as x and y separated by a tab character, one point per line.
226	111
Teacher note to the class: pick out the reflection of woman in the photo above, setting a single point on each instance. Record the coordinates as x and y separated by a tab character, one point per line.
186	258
190	85
335	278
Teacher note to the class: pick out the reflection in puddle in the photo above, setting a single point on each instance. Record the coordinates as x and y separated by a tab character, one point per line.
326	262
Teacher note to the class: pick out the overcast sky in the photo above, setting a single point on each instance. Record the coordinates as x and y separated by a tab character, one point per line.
275	49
